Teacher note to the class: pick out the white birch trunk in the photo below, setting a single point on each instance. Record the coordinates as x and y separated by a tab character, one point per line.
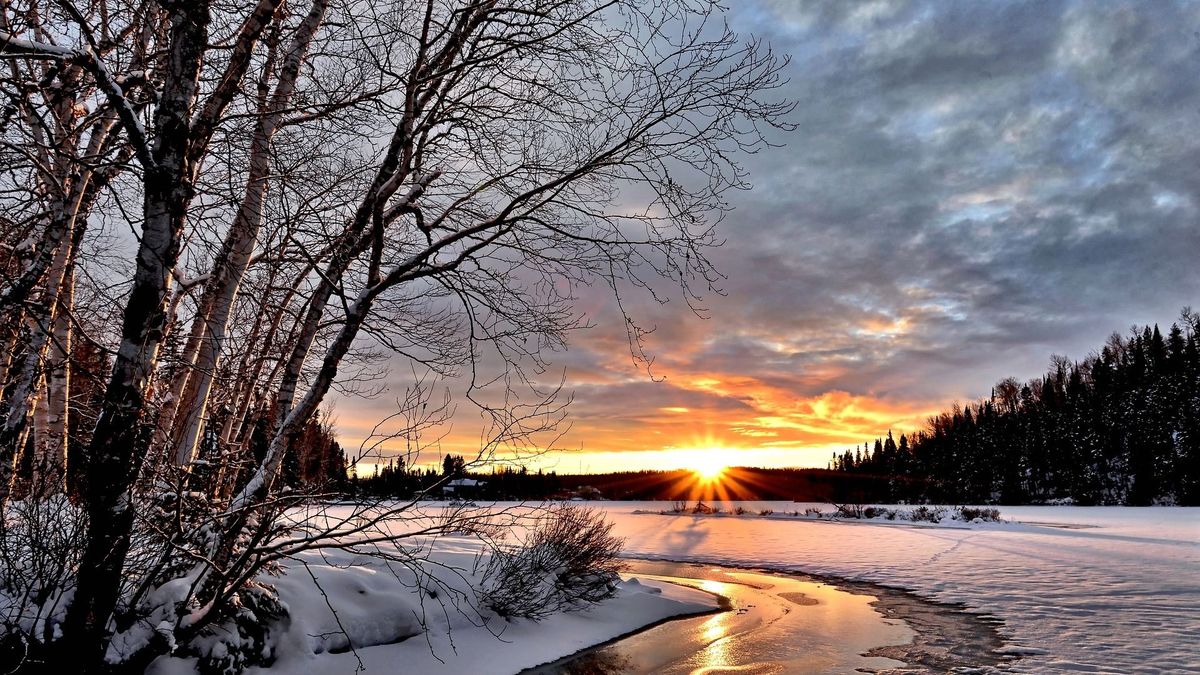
51	458
170	405
23	401
230	267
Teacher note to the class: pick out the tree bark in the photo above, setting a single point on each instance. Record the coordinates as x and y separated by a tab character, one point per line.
118	444
40	320
50	462
121	438
230	266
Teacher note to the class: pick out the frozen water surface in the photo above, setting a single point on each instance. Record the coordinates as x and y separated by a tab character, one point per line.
1109	589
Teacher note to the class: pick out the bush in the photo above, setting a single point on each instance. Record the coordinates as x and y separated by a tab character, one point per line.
766	512
925	513
879	512
569	561
40	545
244	638
703	509
813	512
969	514
679	506
739	511
849	510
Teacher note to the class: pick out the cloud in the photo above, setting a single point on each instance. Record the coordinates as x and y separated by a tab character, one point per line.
971	187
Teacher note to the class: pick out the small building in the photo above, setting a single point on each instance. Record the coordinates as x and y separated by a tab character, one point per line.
463	488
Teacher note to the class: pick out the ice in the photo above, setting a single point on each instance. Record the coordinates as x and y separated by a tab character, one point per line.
1105	589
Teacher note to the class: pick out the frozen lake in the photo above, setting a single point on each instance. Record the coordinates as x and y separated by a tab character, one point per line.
1079	589
1068	589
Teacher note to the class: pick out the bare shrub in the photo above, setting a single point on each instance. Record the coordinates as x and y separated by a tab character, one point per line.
766	512
568	562
967	513
925	513
679	506
879	512
739	511
40	543
849	510
813	512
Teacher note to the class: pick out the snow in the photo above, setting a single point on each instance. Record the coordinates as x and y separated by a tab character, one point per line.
1093	589
15	44
389	621
1101	589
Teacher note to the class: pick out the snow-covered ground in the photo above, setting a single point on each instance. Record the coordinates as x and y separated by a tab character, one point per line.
440	630
1105	590
1101	589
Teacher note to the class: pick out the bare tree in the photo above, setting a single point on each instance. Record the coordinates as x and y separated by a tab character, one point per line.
325	190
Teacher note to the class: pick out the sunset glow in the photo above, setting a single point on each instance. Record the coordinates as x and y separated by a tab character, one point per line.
708	465
844	314
618	425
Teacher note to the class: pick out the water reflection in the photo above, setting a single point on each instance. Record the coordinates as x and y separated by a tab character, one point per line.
775	624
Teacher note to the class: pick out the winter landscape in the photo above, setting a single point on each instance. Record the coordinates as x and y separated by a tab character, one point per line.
599	337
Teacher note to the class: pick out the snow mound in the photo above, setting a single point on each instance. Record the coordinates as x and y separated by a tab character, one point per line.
345	610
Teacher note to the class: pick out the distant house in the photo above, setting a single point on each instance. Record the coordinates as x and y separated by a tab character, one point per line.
463	488
579	494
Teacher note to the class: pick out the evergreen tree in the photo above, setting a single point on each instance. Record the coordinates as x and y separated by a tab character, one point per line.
1121	426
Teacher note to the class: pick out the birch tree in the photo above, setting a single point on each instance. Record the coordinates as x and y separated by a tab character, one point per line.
423	180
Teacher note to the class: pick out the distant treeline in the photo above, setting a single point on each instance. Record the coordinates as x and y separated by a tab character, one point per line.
1119	427
397	480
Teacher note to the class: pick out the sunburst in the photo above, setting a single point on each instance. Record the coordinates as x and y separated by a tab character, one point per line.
708	465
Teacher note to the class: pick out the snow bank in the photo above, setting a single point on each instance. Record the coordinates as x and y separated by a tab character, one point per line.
430	628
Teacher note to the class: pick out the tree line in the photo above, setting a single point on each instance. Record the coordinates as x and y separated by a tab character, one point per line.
1121	426
397	479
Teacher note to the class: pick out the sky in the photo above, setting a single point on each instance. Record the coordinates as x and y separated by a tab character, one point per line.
969	189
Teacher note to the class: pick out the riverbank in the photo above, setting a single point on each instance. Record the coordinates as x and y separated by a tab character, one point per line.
1067	589
781	622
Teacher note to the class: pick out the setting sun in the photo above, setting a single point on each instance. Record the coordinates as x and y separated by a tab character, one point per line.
708	465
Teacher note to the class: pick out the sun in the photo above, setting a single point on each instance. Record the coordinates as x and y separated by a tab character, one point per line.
708	466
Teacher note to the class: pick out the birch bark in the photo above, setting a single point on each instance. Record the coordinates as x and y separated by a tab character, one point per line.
230	266
120	440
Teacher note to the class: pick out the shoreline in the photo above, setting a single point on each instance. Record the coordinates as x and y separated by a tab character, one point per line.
723	605
945	635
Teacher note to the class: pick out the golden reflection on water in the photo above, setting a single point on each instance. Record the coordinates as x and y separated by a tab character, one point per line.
773	625
717	625
715	657
716	631
715	628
